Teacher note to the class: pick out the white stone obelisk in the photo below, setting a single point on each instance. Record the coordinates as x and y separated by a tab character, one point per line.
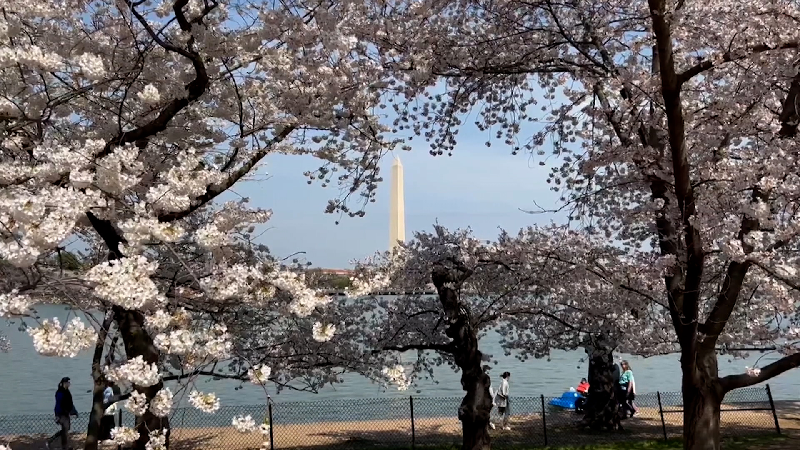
397	207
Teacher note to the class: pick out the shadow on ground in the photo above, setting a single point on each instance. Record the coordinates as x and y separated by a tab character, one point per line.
562	430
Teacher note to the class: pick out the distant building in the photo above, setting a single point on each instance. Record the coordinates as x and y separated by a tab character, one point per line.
341	272
397	207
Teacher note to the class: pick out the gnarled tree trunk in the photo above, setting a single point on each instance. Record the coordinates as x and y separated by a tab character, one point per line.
138	343
476	407
702	400
98	409
602	405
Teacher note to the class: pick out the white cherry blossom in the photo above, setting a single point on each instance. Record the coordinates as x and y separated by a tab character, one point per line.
244	424
259	374
50	339
206	402
161	404
323	332
157	440
135	371
137	403
123	435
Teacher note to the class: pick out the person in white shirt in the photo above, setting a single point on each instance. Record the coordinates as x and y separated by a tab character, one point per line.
502	400
107	422
491	394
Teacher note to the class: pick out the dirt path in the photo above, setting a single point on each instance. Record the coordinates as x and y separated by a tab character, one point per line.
526	430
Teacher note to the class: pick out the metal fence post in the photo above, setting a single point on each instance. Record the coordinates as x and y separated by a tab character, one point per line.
544	422
772	407
661	411
119	413
271	427
413	429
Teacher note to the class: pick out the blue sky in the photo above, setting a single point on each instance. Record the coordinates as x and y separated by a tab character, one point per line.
478	187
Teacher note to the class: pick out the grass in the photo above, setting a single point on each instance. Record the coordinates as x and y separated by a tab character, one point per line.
759	443
753	443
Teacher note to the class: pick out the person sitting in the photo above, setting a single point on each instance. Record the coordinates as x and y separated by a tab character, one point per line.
583	388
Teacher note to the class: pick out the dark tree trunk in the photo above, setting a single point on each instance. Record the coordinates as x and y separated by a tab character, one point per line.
476	407
136	340
702	400
138	343
98	409
602	406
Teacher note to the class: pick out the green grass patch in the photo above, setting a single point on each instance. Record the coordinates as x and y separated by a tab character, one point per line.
744	443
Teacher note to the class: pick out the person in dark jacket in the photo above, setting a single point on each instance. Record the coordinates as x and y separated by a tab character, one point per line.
63	410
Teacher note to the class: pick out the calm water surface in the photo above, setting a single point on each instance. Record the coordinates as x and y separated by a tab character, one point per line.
28	380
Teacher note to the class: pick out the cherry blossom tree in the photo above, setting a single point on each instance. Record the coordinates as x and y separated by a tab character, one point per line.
673	127
514	285
448	324
121	121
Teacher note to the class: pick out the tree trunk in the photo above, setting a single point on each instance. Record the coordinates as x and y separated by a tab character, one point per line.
476	407
95	416
702	400
138	343
136	340
475	410
98	409
602	405
99	384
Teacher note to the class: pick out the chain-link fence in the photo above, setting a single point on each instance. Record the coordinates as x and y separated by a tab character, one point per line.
413	422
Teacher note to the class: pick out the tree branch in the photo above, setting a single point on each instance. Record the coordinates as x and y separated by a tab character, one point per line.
732	382
215	190
733	56
446	348
736	272
685	319
196	88
792	284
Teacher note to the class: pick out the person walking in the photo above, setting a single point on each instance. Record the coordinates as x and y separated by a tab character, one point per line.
627	386
63	410
502	400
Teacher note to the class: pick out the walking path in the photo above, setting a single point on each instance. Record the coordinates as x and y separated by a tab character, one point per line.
526	430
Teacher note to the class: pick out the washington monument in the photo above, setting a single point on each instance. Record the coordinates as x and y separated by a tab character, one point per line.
397	208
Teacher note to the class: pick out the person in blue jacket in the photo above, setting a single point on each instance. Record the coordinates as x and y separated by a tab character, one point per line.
63	410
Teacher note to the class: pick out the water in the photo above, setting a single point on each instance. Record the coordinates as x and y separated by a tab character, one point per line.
28	380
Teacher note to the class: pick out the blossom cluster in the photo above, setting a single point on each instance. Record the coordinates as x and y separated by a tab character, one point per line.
206	402
134	371
232	217
13	304
244	424
323	332
157	441
142	228
397	376
149	95
50	339
211	344
33	223
259	374
123	435
304	299
161	404
136	403
126	282
176	188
